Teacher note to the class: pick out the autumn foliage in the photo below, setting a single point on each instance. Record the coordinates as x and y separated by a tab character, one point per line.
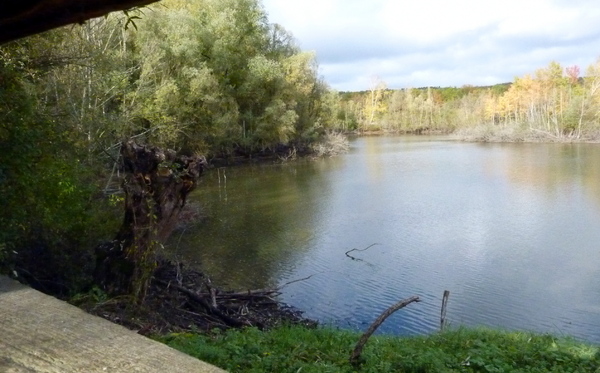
552	103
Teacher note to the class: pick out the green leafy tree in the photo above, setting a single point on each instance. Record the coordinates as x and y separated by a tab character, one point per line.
50	219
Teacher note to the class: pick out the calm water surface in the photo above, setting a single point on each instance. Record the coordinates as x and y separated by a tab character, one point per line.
512	230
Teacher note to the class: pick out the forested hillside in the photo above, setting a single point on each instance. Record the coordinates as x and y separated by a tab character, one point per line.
552	103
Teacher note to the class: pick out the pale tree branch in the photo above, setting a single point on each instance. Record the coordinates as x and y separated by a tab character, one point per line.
355	356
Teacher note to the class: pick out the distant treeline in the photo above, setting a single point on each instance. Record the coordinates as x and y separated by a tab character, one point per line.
553	102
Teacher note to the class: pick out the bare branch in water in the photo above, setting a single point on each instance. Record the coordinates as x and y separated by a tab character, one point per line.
366	248
355	359
298	280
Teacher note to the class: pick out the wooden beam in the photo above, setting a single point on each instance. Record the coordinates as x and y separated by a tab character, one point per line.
21	18
39	333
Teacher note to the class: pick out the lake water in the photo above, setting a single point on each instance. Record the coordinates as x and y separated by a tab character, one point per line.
511	230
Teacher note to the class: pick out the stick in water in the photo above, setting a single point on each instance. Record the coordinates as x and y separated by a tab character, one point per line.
355	356
366	248
444	305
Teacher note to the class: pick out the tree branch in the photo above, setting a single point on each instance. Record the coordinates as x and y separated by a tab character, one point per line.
355	356
366	248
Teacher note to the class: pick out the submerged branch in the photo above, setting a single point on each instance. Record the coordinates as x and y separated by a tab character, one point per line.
297	280
354	258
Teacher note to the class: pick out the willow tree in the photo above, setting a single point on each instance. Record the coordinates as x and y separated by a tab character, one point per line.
156	183
216	76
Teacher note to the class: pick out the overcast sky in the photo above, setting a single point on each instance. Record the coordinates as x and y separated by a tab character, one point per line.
421	43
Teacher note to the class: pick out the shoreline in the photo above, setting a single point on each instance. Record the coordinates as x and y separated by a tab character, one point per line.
484	134
117	315
291	343
488	133
492	133
181	299
293	349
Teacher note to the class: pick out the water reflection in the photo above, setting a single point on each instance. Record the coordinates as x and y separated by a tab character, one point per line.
257	219
510	229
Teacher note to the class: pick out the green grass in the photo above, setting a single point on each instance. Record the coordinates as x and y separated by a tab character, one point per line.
297	349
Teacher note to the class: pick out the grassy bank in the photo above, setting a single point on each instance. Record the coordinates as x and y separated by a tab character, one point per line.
298	349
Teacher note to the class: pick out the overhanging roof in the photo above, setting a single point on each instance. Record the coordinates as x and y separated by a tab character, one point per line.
20	18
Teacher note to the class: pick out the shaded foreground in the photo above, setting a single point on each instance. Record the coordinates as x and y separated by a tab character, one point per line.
295	349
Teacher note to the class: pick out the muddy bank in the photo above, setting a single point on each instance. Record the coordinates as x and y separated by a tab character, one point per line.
183	299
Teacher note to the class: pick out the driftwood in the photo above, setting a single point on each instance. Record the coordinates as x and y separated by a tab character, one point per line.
354	258
355	356
231	308
183	299
210	307
156	183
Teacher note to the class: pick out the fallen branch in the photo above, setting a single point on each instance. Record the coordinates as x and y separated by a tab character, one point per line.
366	248
212	291
221	304
355	356
294	281
264	292
179	299
443	313
209	307
248	294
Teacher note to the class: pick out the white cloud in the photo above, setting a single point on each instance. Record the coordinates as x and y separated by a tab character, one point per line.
433	20
439	42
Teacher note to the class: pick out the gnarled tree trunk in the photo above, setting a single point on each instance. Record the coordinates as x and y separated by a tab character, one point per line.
156	183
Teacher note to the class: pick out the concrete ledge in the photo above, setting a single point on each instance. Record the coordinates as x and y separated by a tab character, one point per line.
42	334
